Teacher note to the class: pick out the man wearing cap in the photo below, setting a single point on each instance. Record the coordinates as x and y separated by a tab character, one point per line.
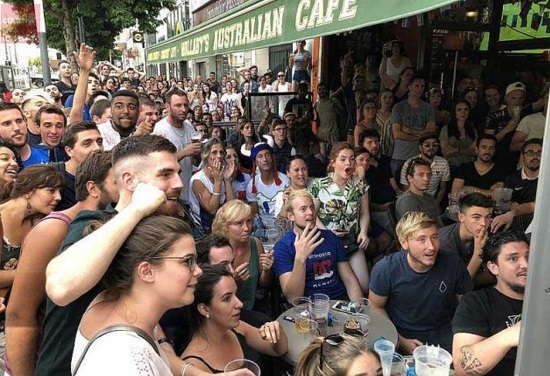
441	172
264	187
531	126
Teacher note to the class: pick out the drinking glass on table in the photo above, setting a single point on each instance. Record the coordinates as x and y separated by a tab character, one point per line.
302	311
320	305
337	322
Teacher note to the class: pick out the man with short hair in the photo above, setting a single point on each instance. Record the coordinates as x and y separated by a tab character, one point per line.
92	85
467	237
101	111
13	131
411	120
418	287
80	140
51	123
146	173
441	172
30	107
524	183
531	126
282	149
214	85
125	112
416	198
327	110
309	260
482	175
178	130
65	84
147	116
95	189
135	77
487	322
247	75
301	106
55	95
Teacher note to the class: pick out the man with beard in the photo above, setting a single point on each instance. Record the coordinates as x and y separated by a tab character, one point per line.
95	189
146	173
467	237
441	172
55	95
418	287
487	322
80	140
416	198
482	175
178	130
125	112
13	131
524	183
308	260
328	111
65	85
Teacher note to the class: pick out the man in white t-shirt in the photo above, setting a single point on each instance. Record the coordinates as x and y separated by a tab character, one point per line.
531	126
125	111
178	130
262	189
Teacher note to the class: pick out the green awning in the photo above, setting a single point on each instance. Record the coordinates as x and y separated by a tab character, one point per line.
264	23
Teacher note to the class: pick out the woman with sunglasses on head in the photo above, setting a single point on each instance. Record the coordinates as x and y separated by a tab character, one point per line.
458	139
338	355
218	336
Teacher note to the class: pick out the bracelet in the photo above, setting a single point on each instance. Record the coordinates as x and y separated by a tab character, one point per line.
184	369
162	340
216	193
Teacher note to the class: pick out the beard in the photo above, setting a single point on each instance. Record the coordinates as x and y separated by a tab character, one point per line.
520	289
171	208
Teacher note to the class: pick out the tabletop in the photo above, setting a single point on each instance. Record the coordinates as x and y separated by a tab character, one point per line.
380	326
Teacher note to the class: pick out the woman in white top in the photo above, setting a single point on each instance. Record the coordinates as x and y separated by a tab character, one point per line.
230	99
210	99
393	63
155	270
210	187
281	86
300	62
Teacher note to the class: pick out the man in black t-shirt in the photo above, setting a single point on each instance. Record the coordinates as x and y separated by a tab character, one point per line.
482	175
524	183
65	85
486	324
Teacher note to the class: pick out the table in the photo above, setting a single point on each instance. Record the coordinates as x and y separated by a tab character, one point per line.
380	326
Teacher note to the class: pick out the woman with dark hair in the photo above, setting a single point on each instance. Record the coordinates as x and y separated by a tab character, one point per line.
471	95
338	355
401	88
10	164
33	194
210	99
393	64
458	139
210	187
343	203
239	180
155	270
300	62
383	116
218	336
435	98
247	140
367	119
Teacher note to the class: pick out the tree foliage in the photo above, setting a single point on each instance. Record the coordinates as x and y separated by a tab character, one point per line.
103	21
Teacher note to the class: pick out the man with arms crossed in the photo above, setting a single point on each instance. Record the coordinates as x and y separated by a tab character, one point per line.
487	322
308	260
418	287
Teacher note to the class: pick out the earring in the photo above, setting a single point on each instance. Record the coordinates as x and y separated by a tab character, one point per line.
29	207
207	316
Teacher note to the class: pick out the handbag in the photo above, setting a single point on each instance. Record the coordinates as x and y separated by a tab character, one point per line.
349	241
111	329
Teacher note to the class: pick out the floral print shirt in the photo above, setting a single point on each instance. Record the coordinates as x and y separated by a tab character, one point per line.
339	210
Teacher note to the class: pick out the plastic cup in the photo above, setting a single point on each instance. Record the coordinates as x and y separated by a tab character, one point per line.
196	137
360	305
337	322
301	310
432	361
398	365
385	350
503	199
363	322
242	364
320	305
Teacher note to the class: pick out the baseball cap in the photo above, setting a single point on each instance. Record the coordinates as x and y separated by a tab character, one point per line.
515	86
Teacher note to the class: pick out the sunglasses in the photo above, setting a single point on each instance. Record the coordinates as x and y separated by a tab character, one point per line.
332	340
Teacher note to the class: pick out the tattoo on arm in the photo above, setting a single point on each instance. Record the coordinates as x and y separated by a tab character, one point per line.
471	365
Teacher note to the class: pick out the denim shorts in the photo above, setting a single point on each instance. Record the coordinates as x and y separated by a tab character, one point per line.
301	75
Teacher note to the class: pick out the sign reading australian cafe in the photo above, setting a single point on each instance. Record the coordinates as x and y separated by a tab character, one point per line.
271	22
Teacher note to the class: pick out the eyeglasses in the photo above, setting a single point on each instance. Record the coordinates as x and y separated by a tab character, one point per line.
190	261
431	144
333	340
532	153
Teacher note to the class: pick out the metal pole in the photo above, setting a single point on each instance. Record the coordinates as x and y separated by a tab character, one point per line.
534	347
454	75
41	28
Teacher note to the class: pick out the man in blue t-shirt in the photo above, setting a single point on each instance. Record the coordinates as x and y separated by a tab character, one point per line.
309	260
417	288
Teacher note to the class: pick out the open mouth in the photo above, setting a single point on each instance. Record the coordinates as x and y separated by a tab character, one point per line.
348	170
172	198
11	172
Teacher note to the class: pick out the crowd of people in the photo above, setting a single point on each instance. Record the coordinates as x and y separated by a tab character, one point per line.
137	217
